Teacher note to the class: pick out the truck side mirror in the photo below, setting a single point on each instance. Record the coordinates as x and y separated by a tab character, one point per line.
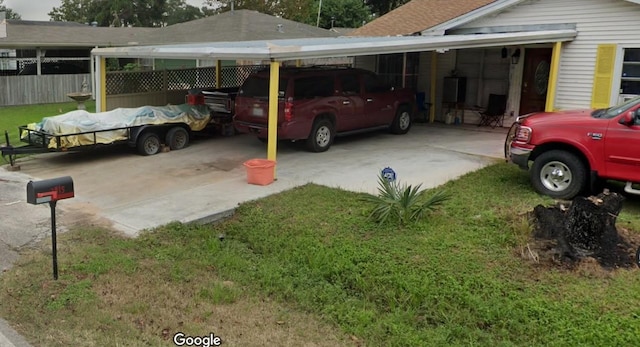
628	118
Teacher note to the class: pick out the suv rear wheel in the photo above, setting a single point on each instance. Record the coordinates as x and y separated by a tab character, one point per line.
402	122
321	136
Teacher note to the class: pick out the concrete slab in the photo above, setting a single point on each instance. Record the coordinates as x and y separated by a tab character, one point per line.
130	193
119	189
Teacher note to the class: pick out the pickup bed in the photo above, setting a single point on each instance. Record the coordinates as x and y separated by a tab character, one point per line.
571	152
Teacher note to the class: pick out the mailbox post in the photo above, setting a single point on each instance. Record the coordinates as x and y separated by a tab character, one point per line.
51	191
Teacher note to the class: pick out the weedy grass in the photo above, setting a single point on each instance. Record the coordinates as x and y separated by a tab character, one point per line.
307	266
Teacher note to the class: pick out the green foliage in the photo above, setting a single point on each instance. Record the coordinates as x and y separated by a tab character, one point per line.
9	13
131	67
381	7
343	13
75	293
116	13
340	13
401	203
13	116
461	284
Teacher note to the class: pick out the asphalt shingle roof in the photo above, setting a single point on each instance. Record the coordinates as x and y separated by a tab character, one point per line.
418	15
239	25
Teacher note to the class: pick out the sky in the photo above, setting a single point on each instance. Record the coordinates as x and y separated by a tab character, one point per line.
29	11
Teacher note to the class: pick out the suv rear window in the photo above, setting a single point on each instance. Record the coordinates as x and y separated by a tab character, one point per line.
258	87
313	87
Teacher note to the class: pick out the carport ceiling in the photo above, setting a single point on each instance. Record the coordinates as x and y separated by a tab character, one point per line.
292	49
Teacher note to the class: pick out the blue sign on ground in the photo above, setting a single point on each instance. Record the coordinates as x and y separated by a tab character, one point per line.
389	174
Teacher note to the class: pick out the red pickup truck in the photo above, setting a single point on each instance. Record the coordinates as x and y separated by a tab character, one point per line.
573	151
315	104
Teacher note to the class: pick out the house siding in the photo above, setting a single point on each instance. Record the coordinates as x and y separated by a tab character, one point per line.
597	22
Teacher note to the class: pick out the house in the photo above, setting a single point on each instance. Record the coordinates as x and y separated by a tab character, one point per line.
598	68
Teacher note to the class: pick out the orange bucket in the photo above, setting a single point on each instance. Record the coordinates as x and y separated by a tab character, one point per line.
260	171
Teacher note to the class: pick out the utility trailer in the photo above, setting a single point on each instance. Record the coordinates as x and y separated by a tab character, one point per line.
145	128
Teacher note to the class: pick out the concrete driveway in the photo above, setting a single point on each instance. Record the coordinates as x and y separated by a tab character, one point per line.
119	189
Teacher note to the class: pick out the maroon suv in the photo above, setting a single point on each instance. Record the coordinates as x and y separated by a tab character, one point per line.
318	103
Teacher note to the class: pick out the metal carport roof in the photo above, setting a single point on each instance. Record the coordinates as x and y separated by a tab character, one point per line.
292	49
277	51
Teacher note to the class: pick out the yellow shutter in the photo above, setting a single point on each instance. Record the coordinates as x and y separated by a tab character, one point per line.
603	79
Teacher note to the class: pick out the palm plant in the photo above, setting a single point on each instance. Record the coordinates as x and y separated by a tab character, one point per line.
402	203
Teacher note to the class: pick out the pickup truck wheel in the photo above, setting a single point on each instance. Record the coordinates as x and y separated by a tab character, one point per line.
558	174
177	138
321	136
402	122
148	143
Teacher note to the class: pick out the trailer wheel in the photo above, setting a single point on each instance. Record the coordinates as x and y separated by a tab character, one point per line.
177	138
148	143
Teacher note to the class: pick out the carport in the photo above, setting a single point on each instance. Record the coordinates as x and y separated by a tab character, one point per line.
279	51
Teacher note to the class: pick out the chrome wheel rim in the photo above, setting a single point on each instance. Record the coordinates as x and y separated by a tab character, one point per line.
323	135
405	120
556	176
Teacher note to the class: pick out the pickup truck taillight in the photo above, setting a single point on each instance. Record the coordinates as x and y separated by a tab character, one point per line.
523	134
288	110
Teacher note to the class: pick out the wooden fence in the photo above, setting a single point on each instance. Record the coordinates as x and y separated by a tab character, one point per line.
33	89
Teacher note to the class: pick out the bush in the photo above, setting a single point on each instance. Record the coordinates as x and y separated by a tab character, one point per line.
402	203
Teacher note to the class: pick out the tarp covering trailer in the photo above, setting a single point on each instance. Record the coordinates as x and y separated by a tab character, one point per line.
144	127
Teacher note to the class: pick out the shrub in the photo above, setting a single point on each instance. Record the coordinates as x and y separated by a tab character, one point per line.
402	203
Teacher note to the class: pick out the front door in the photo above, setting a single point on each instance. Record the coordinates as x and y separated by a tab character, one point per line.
535	79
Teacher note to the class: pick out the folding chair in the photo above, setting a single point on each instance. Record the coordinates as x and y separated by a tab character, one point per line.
493	115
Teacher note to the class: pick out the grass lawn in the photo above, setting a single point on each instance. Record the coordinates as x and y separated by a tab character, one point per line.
13	116
306	267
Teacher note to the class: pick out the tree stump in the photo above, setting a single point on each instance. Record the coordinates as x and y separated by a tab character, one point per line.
586	228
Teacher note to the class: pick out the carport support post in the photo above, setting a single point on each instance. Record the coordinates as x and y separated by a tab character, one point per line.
54	247
274	78
553	77
102	68
434	83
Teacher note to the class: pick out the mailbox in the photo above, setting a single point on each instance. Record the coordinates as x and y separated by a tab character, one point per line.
51	190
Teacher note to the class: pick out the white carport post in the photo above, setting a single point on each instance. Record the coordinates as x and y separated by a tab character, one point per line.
274	78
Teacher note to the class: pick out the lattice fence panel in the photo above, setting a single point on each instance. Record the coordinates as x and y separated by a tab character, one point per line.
191	78
130	82
234	76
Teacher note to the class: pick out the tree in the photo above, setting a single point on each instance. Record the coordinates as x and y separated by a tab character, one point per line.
343	13
9	13
381	7
262	6
179	12
72	11
140	13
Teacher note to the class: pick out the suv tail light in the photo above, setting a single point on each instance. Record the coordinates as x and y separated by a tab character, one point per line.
523	134
288	110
